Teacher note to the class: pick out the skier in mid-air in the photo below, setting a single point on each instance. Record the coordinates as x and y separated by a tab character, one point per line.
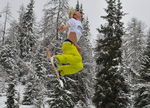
70	61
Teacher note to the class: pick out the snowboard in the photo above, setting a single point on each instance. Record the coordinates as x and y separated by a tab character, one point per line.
49	54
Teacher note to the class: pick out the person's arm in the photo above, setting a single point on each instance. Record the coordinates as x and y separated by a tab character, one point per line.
68	24
64	27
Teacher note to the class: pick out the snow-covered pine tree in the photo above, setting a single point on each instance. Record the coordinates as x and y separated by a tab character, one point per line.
78	6
143	90
21	12
143	96
133	46
27	41
42	68
12	35
110	87
1	33
12	50
39	62
11	96
145	67
26	37
55	14
80	9
7	16
82	13
86	76
8	59
23	68
9	55
12	40
3	76
28	95
31	82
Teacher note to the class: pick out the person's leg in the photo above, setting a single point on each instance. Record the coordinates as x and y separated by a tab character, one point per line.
70	56
70	69
70	49
68	59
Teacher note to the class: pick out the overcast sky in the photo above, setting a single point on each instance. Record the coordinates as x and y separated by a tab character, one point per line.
93	9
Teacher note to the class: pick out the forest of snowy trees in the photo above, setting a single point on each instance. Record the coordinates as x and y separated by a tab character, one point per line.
116	70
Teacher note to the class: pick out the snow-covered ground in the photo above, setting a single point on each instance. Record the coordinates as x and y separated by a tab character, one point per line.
2	101
27	106
20	90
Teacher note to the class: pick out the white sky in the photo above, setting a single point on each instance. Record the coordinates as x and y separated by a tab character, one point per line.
93	9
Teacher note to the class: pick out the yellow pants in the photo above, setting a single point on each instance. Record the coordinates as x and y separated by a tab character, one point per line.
71	61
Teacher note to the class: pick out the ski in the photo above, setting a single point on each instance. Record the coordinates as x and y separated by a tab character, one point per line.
49	54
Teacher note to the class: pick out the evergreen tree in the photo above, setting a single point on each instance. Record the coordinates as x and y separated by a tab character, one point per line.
142	99
1	33
28	95
39	64
145	68
8	59
41	76
21	12
110	88
3	77
7	16
85	77
55	14
19	35
26	37
80	9
26	41
11	96
12	35
37	80
143	96
82	13
9	53
133	46
77	6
